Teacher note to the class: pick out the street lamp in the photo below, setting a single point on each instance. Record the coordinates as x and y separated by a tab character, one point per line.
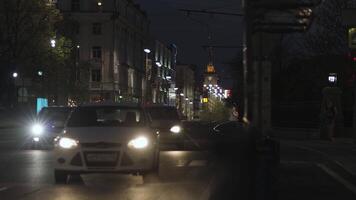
53	43
78	46
15	75
147	51
39	73
158	64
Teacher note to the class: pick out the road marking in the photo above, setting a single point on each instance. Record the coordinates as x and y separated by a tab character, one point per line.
323	154
3	189
198	163
338	178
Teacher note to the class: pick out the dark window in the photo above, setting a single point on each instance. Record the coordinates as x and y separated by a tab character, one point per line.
96	75
75	5
96	52
97	28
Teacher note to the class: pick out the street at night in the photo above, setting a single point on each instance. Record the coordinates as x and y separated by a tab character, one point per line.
177	99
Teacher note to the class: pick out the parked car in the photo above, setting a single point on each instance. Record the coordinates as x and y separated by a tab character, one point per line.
106	139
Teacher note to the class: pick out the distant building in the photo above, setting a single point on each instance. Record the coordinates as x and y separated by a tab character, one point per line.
185	84
161	74
110	36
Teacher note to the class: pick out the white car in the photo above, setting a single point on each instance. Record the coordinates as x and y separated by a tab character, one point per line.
106	139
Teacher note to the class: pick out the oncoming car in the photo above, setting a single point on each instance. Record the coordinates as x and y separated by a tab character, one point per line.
48	124
166	120
106	139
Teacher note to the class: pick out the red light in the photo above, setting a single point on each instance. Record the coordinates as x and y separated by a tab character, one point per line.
354	58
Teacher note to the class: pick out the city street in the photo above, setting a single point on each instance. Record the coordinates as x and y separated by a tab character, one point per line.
28	174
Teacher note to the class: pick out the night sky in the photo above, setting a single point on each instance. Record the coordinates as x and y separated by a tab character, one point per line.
189	33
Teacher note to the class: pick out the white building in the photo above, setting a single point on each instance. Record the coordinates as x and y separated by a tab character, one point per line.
111	36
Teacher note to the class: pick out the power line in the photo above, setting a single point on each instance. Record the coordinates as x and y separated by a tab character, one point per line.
211	12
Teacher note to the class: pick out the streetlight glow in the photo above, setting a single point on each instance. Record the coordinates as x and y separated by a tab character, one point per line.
158	64
15	74
147	50
53	43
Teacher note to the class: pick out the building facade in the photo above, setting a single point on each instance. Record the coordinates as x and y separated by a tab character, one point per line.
110	37
185	90
161	75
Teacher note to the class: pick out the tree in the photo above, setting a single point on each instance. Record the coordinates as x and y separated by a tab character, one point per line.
26	27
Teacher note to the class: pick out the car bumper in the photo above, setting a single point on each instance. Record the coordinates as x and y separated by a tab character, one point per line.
127	160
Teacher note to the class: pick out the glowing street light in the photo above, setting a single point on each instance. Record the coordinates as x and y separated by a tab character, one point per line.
147	50
158	64
53	43
100	4
15	75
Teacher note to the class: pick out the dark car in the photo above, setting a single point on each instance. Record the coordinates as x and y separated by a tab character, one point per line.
166	120
49	123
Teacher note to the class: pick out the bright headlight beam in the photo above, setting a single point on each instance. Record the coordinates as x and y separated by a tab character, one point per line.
37	129
139	143
67	143
176	129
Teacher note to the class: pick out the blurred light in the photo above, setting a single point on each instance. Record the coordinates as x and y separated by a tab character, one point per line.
158	64
139	143
187	99
176	88
99	3
67	143
53	43
205	100
168	77
181	94
36	139
175	129
15	74
78	46
37	129
147	50
191	102
40	73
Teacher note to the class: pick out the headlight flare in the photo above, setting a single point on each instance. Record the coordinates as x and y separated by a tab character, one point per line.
176	129
67	143
37	129
139	142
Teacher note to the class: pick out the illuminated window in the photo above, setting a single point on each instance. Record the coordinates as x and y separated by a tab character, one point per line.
352	37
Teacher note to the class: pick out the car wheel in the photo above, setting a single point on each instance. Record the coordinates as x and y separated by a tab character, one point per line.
60	177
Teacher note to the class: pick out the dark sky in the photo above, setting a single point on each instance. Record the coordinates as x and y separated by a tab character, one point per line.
189	33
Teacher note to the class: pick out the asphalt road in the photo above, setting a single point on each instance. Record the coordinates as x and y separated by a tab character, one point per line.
200	174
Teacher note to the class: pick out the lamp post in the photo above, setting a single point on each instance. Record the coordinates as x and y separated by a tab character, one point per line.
147	77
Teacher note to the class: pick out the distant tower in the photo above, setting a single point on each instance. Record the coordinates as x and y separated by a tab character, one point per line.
210	76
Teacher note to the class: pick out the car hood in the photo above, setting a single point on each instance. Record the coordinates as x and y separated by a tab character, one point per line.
106	134
167	124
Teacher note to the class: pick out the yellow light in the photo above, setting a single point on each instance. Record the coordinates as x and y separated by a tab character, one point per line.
99	3
205	100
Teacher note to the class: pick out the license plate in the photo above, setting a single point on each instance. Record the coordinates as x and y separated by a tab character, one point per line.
101	157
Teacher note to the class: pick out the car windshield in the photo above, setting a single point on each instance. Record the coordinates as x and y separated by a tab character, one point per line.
106	116
163	113
58	115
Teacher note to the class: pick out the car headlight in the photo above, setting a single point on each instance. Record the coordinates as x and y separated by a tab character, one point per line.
37	129
176	129
139	142
67	143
